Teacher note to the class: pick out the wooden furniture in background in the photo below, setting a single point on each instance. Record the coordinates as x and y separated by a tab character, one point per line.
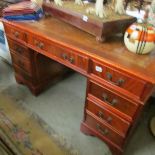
33	69
99	28
118	82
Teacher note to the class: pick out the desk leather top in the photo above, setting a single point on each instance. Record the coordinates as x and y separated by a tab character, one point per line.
113	51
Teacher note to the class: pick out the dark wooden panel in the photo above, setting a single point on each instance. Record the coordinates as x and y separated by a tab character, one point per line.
46	68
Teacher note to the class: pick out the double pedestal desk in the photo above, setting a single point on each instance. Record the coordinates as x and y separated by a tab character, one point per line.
118	82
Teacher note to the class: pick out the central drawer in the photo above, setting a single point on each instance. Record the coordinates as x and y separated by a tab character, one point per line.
71	57
113	100
66	56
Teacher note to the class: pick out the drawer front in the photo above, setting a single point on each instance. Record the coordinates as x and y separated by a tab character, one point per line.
80	61
131	84
72	58
103	130
63	54
15	33
105	115
24	75
38	43
113	100
22	63
19	49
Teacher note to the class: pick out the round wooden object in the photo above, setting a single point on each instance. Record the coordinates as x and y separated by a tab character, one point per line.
152	125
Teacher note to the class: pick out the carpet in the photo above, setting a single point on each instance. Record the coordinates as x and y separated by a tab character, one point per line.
23	132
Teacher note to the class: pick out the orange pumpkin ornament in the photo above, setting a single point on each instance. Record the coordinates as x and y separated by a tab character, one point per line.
140	38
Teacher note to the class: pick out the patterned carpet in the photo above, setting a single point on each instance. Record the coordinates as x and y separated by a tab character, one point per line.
23	132
4	150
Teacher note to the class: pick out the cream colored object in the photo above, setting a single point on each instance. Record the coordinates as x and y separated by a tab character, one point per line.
134	39
152	125
39	2
151	15
119	7
100	11
60	2
78	2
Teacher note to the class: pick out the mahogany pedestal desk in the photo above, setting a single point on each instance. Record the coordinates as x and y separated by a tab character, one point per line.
118	82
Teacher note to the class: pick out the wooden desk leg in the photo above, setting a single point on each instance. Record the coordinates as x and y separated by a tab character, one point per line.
18	80
34	90
88	131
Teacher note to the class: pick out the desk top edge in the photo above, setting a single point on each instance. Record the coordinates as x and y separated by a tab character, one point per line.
109	58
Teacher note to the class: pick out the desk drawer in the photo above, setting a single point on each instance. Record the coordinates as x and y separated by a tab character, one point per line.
103	130
113	100
68	57
38	43
72	57
19	49
26	77
15	33
107	116
22	63
119	79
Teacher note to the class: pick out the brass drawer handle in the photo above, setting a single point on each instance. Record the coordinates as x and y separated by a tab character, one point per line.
100	114
109	119
119	82
41	45
64	56
105	99
36	43
71	60
16	34
18	49
101	130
